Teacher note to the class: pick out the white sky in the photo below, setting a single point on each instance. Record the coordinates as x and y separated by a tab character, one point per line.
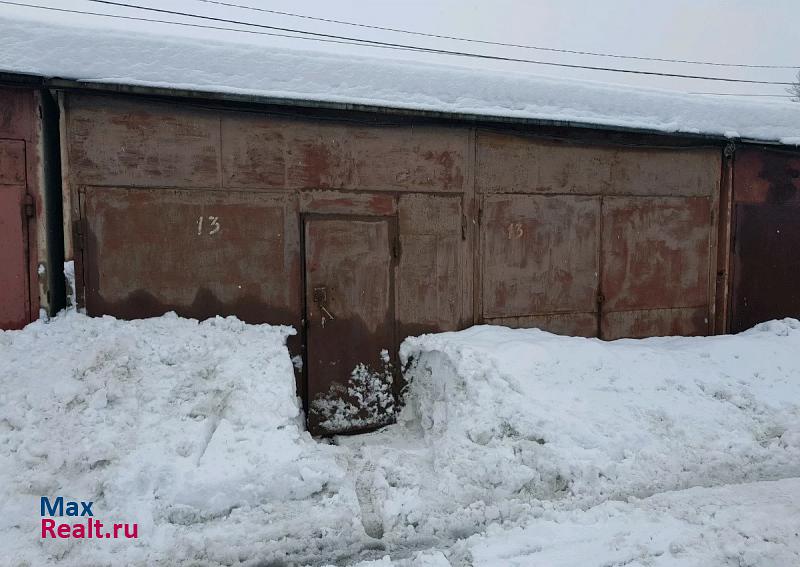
731	31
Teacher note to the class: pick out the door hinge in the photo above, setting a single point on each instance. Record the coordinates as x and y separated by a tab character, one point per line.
28	205
729	151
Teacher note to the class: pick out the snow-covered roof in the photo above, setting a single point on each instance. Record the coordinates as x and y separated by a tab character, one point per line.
126	58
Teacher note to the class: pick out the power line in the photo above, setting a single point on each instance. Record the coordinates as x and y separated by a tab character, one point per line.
743	94
496	43
188	25
442	51
371	43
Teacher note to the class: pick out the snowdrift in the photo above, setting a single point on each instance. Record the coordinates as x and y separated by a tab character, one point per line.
514	446
519	414
190	429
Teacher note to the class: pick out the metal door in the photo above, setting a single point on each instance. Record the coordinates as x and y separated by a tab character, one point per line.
349	322
766	264
14	298
765	237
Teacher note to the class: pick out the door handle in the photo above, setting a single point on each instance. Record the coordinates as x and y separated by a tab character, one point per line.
321	300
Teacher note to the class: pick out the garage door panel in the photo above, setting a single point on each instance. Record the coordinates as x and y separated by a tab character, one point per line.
655	252
432	271
766	177
766	264
13	278
209	253
540	254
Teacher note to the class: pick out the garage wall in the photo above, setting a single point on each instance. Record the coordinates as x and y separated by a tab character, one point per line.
200	210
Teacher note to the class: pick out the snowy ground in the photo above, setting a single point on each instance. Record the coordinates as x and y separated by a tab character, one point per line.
516	447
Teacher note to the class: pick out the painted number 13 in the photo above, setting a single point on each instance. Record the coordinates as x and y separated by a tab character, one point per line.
211	225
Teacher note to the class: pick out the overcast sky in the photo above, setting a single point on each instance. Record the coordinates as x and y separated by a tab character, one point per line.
730	31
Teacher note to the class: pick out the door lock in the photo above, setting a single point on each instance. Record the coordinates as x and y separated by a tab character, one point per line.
321	300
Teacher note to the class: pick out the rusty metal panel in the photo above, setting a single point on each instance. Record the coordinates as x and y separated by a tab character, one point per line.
14	297
378	158
199	253
12	162
690	321
766	256
665	171
117	142
16	112
518	164
762	176
253	151
269	152
655	252
434	265
539	254
572	324
17	259
341	203
350	331
766	264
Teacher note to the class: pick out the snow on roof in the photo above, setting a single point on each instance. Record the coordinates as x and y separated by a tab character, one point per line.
129	58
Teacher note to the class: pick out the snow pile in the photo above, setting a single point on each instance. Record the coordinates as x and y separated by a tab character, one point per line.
501	424
750	525
206	65
514	447
190	429
524	411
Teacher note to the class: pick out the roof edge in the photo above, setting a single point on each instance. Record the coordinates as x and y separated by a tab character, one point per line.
60	83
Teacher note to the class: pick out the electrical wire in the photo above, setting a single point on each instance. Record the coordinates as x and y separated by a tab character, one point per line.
441	51
189	25
380	44
743	94
496	43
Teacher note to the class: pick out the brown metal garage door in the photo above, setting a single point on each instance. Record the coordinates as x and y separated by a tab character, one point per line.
766	237
596	240
199	253
14	294
350	323
766	264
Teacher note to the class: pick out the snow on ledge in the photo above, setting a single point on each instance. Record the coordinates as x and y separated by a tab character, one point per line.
128	58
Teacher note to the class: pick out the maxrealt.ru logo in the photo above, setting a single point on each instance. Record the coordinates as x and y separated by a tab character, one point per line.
86	528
